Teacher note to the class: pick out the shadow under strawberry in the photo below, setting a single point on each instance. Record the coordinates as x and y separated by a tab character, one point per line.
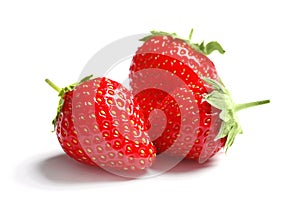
173	165
187	165
61	169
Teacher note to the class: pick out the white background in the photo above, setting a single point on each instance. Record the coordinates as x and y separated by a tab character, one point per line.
55	39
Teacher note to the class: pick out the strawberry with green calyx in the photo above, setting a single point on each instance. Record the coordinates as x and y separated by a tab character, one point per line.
221	99
200	97
99	123
62	91
197	130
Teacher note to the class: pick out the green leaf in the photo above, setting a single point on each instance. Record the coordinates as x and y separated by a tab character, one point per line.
220	98
224	129
234	130
216	85
223	115
202	47
84	80
214	46
216	99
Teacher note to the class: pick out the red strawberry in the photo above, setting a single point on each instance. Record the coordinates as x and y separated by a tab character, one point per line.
175	76
99	123
190	126
165	62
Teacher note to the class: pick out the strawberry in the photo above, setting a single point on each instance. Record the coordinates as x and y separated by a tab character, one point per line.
99	123
176	76
188	126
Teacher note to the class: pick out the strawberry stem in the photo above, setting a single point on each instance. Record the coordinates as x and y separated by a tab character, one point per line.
191	34
239	107
55	87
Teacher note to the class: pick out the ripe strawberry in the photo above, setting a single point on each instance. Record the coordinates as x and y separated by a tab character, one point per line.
99	123
191	126
165	62
175	76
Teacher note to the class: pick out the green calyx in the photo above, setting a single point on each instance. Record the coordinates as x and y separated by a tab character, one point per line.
62	92
221	99
203	48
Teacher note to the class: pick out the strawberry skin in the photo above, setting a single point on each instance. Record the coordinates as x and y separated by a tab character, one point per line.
169	52
191	126
175	76
161	53
100	124
152	88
